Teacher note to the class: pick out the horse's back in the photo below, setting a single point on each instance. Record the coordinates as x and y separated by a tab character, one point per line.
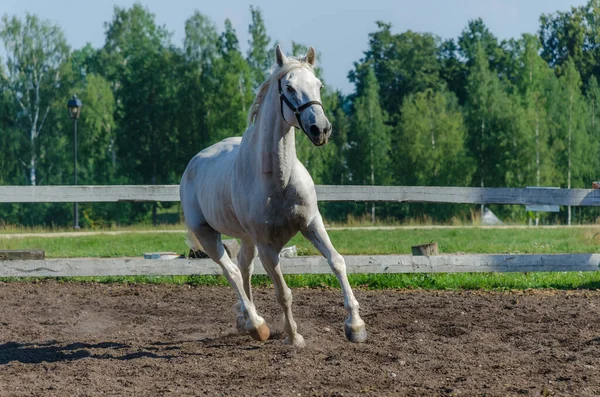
205	185
210	162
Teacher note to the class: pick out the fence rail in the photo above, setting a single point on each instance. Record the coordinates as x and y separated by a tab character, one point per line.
309	265
407	194
384	264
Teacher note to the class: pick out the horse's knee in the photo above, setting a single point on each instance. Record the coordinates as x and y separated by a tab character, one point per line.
232	273
338	264
285	297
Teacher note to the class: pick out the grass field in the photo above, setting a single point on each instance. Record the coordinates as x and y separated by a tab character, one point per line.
349	242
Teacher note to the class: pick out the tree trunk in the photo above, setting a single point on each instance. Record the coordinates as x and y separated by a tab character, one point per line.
537	158
154	203
33	160
569	155
481	172
372	184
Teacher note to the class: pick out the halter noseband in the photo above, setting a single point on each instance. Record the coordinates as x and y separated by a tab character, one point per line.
296	110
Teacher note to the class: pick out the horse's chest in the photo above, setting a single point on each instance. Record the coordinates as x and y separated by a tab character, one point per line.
283	217
285	213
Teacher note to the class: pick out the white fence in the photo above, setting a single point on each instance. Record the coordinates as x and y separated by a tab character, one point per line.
310	265
385	264
416	194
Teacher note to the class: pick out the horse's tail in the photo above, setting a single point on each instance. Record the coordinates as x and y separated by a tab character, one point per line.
192	241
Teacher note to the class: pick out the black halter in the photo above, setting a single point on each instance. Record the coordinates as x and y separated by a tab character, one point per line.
296	110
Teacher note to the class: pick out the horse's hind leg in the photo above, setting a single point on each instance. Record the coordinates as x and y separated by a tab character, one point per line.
211	242
245	260
270	260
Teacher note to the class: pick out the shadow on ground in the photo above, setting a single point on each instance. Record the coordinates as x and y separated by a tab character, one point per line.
53	351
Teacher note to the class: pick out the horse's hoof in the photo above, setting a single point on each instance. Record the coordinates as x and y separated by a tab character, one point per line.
240	324
298	341
356	333
260	333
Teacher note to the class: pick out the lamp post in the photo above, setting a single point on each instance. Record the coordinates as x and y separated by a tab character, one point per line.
74	105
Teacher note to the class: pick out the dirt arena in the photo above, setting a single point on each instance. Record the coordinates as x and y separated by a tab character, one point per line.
71	339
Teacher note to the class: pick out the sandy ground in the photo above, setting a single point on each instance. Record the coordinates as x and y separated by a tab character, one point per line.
73	339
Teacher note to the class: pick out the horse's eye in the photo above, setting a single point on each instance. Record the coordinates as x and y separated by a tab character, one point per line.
290	89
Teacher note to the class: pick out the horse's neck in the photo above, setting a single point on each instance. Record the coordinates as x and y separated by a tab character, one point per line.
274	142
278	148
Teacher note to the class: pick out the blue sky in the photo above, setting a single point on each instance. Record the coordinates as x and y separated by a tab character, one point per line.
338	29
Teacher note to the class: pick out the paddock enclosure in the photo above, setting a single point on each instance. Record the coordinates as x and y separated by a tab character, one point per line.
71	338
60	339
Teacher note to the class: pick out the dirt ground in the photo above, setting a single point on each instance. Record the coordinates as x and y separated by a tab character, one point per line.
71	339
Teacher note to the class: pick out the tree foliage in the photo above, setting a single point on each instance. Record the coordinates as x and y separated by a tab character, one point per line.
465	111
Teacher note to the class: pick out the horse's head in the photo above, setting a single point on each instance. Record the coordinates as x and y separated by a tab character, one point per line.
300	99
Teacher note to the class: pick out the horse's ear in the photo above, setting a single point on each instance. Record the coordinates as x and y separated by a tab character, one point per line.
311	56
281	58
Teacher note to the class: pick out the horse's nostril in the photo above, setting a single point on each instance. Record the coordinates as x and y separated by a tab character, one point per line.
315	130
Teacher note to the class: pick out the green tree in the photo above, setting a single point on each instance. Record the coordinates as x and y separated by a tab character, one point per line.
404	63
570	144
573	35
35	52
476	35
593	100
201	49
143	67
98	139
229	89
533	81
496	137
260	55
201	43
452	70
369	136
432	141
11	171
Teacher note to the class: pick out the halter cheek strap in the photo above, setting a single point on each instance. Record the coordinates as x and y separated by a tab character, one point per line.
296	110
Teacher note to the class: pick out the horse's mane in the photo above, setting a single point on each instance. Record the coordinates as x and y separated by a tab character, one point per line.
277	72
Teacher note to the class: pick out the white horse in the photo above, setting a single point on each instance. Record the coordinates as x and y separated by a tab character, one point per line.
255	189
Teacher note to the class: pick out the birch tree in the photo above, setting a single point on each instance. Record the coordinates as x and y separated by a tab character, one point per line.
35	50
534	79
431	141
570	143
370	140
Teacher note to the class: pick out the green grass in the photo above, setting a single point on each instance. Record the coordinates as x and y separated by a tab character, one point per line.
101	246
468	240
348	242
417	281
354	242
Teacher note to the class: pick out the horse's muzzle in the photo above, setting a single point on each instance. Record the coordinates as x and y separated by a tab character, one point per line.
319	136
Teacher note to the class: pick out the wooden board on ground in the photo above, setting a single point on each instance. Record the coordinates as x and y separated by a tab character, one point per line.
386	264
425	249
10	255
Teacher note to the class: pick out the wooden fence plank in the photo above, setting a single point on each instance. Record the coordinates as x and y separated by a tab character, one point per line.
423	194
386	264
460	195
94	194
11	255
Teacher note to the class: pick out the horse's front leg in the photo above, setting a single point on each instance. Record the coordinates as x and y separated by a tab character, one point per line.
270	260
245	262
315	233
